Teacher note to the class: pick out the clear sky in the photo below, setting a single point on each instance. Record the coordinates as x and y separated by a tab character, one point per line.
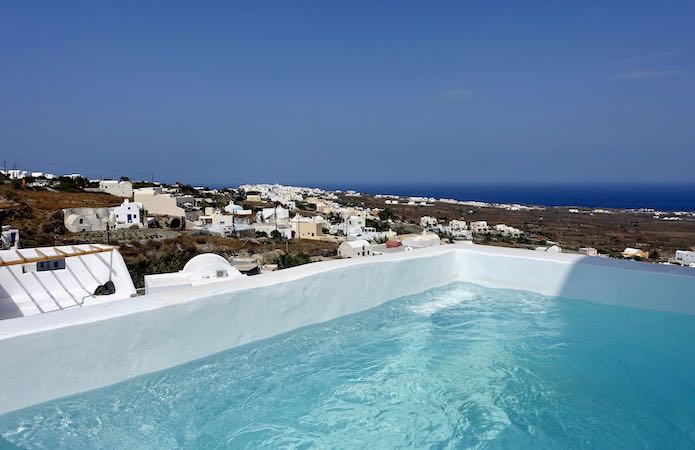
329	92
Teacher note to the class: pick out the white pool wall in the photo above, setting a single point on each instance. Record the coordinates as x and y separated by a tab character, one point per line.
67	352
51	356
600	280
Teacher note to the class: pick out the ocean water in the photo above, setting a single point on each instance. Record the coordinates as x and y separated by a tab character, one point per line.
459	366
665	197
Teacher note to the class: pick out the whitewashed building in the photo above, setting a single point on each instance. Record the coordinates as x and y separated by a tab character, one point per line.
352	249
458	225
237	210
589	251
355	224
507	231
428	222
421	240
480	227
126	215
685	256
85	219
279	214
284	229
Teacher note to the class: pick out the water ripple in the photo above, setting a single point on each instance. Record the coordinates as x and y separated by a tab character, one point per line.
456	367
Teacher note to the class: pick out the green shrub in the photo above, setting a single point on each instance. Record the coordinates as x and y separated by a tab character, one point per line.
292	259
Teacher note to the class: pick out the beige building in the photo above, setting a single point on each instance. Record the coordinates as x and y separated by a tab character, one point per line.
308	230
155	201
117	188
635	253
253	197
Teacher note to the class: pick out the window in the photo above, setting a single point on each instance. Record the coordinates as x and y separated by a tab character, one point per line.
55	264
81	221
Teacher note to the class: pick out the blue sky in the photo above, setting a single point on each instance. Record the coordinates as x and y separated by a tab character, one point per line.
332	92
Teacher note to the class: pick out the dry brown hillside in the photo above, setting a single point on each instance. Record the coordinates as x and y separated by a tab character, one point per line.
38	214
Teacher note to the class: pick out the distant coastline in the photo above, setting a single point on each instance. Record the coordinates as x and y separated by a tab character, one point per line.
662	196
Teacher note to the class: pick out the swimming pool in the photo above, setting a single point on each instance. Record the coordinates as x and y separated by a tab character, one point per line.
454	366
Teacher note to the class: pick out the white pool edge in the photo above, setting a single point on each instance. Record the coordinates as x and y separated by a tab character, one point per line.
58	354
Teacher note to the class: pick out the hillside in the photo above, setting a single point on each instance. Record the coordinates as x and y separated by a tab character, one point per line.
38	215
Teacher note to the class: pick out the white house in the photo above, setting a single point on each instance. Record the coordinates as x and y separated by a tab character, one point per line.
421	240
282	215
237	210
355	224
117	188
14	174
506	230
352	249
85	219
284	229
370	234
685	256
457	229
589	251
428	222
480	227
126	215
458	225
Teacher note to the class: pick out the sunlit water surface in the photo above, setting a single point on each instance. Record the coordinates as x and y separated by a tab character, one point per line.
454	367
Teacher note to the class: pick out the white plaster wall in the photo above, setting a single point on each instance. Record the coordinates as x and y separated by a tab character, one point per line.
53	355
58	354
26	294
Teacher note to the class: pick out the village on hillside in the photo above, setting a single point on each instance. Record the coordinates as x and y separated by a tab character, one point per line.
255	228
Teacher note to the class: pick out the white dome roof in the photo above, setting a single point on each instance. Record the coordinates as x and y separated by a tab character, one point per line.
208	265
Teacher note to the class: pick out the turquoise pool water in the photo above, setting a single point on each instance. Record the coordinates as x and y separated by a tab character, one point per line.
454	367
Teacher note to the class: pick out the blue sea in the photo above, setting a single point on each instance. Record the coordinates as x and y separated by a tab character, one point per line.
665	197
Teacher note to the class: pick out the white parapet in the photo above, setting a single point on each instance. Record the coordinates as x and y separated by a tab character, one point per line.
67	352
50	279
